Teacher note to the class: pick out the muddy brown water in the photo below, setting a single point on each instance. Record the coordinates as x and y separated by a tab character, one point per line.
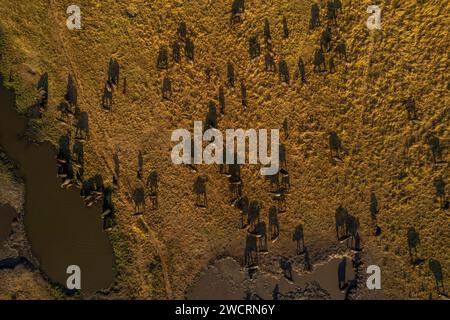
226	279
61	229
7	215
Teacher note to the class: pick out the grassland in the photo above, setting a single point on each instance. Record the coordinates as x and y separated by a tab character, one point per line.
361	101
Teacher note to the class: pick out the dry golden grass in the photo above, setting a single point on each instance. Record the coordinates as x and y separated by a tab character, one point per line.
361	102
22	284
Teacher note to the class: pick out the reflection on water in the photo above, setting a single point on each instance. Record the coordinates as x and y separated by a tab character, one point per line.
61	229
226	280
